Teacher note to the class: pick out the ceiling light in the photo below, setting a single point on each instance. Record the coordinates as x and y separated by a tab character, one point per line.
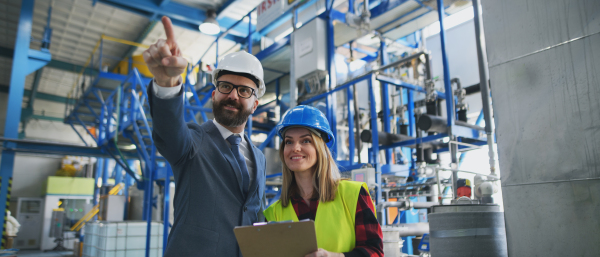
210	26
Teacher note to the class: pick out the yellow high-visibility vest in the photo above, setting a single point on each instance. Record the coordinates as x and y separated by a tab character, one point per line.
335	220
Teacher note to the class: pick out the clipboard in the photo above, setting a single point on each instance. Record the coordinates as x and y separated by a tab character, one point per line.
293	239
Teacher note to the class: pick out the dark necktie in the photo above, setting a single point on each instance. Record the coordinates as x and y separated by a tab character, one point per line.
235	140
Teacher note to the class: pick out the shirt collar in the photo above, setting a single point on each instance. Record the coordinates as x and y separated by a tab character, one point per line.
225	133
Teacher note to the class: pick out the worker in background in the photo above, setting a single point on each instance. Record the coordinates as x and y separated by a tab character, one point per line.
219	173
344	215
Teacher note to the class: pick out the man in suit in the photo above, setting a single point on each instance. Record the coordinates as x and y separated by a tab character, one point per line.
219	174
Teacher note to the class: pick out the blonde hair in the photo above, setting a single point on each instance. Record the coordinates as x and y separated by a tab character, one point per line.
325	179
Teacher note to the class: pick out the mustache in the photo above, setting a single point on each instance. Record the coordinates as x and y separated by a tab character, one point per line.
232	103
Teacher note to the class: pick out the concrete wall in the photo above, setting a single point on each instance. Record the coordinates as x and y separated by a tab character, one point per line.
544	61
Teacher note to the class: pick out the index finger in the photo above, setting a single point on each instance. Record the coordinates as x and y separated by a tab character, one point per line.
168	28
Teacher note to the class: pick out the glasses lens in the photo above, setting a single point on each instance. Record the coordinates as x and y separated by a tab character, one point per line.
244	91
225	87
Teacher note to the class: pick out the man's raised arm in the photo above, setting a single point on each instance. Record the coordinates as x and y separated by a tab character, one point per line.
165	62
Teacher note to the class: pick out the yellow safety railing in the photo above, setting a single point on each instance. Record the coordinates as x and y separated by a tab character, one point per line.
118	40
115	190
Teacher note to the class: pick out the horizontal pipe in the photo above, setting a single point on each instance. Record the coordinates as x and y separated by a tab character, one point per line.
388	138
432	123
412	229
383	137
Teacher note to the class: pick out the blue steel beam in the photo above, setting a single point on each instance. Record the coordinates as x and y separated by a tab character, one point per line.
273	48
181	15
385	97
406	85
24	62
41	147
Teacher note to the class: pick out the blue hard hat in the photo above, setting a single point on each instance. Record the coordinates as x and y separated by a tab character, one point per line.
307	116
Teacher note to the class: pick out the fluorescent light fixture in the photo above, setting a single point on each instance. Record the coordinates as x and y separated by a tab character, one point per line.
210	26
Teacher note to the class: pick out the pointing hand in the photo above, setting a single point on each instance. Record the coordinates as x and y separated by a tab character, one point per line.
164	58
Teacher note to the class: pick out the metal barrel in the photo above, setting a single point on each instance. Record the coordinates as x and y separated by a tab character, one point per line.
467	230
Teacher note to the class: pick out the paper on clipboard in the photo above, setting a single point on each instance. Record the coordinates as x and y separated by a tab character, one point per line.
279	239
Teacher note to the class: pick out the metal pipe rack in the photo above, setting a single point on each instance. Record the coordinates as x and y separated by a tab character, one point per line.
117	105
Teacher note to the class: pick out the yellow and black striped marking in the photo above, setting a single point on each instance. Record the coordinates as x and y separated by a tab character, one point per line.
4	236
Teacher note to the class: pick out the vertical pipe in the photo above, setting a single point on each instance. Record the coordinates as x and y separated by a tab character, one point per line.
483	83
249	123
105	174
128	183
249	128
97	176
356	120
410	102
100	57
449	96
350	120
385	99
118	173
148	210
375	140
249	33
331	102
166	206
217	52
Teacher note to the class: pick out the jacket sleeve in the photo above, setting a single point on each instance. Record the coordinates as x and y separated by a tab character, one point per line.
170	132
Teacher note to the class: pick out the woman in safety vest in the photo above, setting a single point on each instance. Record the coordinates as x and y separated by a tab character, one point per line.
343	211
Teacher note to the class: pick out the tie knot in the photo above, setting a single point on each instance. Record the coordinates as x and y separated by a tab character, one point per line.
234	139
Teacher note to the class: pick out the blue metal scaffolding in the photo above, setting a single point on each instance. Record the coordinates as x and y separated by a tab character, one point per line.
117	105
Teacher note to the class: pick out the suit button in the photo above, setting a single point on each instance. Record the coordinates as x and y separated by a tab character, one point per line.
245	208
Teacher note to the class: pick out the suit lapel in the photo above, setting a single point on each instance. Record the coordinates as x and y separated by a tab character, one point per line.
216	136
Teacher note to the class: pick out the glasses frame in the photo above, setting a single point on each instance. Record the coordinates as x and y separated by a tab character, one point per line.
235	87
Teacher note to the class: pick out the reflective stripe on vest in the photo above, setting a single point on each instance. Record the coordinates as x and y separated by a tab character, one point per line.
334	222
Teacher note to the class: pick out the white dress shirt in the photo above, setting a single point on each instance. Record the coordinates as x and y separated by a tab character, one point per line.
170	92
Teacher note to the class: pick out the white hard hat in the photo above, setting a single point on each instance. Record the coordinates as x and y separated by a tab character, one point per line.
242	62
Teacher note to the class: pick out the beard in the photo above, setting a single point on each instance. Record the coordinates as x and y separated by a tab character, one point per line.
229	118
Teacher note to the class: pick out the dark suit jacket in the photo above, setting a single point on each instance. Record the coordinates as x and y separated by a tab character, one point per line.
208	201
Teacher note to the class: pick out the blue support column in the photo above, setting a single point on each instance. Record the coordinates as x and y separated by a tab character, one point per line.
385	99
129	181
249	39
351	137
330	103
447	84
149	196
374	140
24	62
249	123
411	128
449	96
166	206
217	52
97	176
118	174
105	174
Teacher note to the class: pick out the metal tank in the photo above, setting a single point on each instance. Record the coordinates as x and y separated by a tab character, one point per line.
467	230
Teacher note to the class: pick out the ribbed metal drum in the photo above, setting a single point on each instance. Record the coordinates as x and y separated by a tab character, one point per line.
467	230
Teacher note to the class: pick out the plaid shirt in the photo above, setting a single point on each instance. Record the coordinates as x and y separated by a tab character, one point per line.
369	238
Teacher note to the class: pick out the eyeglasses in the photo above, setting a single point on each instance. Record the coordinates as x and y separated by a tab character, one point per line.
242	91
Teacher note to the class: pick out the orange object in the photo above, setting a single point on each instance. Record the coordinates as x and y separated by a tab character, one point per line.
463	191
392	212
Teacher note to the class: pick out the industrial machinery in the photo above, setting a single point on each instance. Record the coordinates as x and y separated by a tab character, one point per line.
29	214
467	229
57	229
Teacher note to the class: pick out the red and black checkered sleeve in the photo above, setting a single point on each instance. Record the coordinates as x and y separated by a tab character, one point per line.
369	238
